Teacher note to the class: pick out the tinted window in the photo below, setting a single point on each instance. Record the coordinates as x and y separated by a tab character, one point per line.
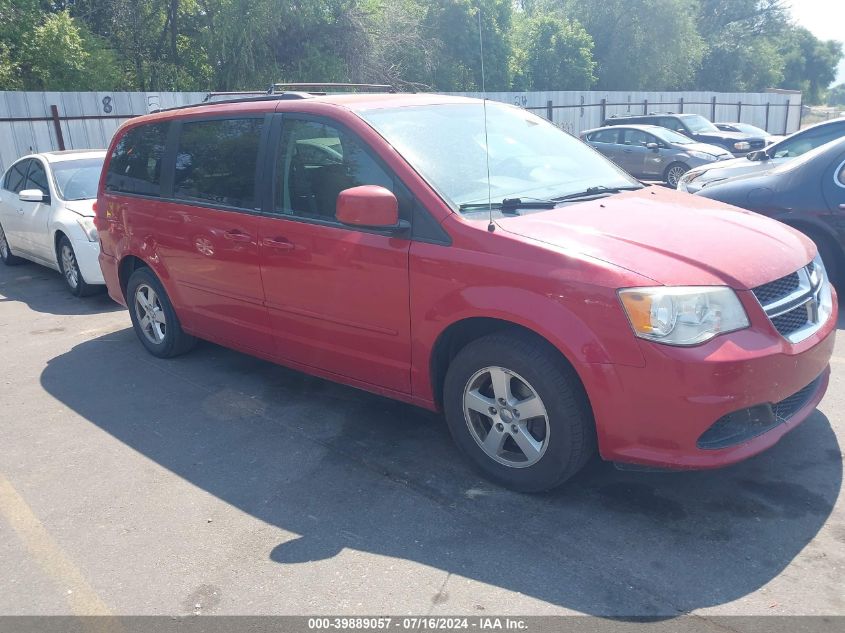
17	176
216	162
135	165
811	139
37	178
604	136
672	123
317	161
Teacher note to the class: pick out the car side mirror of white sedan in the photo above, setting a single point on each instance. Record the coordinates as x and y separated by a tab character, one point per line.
33	195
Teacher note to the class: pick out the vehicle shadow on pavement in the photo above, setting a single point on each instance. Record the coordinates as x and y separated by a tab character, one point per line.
52	296
346	469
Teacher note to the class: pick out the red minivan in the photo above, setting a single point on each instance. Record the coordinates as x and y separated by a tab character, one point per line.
487	265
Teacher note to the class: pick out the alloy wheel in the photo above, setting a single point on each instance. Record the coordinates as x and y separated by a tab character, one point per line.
69	266
674	175
4	245
150	314
506	417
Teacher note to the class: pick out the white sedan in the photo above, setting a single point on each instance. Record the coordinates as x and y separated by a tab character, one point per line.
47	215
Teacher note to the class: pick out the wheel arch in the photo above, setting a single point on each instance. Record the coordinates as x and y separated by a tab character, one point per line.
457	335
128	265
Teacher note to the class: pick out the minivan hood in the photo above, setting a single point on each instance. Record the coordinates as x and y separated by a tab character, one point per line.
84	208
671	237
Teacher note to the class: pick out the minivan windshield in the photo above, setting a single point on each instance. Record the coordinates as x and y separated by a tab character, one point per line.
529	158
77	179
697	123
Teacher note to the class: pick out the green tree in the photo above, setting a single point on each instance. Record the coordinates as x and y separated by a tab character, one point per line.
809	63
642	44
551	53
836	95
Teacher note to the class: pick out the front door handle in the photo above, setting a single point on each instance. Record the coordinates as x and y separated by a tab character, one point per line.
237	236
20	211
279	243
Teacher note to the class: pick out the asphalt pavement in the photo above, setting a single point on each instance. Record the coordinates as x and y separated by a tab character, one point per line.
217	483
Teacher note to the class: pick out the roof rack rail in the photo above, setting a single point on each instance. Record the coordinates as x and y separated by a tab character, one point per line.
322	88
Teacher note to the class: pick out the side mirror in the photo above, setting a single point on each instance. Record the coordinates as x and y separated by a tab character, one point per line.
368	206
652	146
759	154
33	195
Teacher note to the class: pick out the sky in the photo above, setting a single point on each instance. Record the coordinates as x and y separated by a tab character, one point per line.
825	19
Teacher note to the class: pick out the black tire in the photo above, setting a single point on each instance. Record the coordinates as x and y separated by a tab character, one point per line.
69	268
6	251
831	257
174	341
673	174
571	439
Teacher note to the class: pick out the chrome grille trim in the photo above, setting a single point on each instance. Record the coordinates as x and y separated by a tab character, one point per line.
794	314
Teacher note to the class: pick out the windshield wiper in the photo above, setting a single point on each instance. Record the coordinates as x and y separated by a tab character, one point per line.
595	191
510	205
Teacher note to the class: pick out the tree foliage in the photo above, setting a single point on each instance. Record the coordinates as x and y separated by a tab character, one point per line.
727	45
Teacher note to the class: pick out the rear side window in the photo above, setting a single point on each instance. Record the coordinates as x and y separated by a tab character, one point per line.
135	165
604	136
216	162
16	176
37	178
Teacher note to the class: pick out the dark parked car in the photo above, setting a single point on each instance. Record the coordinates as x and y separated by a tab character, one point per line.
764	160
653	152
808	193
697	128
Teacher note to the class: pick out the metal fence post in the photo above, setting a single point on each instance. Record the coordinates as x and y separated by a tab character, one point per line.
681	105
713	109
57	124
549	112
603	110
738	111
786	117
767	115
645	106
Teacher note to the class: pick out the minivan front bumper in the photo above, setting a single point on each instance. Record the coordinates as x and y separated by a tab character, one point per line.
657	415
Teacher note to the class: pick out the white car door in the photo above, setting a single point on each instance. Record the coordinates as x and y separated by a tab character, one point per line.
35	220
10	204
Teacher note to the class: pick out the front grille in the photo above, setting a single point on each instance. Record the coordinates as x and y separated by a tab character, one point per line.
777	289
745	424
792	302
791	321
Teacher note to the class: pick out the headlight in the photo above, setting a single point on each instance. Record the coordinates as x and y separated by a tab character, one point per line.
683	315
88	227
742	146
818	279
702	155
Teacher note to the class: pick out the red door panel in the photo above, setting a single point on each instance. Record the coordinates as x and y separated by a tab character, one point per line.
338	299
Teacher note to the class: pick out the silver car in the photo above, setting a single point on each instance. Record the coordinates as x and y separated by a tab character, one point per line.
765	159
651	152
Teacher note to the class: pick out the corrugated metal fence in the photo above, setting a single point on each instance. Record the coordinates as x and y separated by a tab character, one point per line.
42	121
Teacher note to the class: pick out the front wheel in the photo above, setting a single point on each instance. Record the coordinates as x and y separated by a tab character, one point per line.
153	317
6	251
69	268
518	412
674	173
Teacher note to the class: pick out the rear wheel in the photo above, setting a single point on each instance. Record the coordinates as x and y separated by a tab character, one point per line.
6	251
518	412
673	174
153	317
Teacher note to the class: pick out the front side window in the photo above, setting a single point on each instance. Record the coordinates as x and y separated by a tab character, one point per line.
216	162
635	137
802	143
16	177
698	124
317	161
135	165
37	178
527	156
673	137
672	123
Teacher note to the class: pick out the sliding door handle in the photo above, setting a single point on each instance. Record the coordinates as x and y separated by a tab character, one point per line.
279	243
